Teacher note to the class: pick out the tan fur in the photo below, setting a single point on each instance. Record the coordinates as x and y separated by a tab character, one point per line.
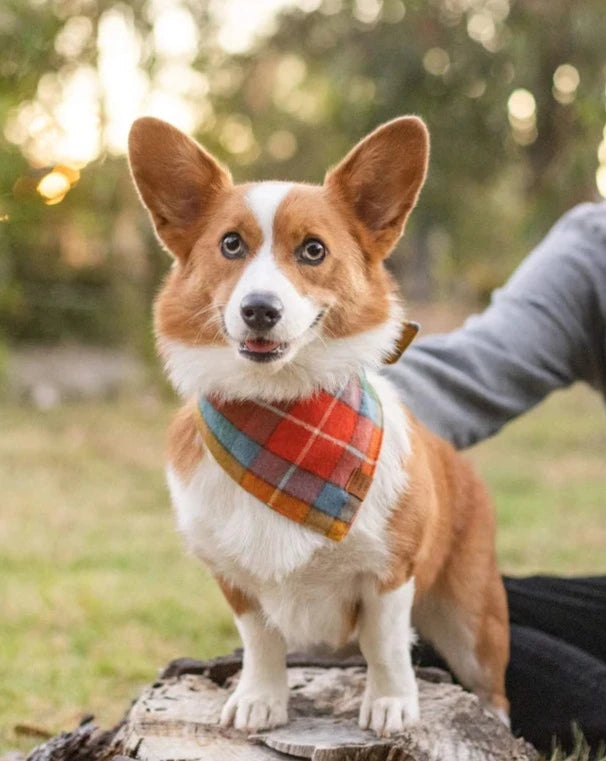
179	182
442	534
378	195
238	600
354	287
184	450
442	530
353	290
359	213
190	304
184	454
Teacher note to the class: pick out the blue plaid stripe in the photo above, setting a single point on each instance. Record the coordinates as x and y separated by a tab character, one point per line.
326	497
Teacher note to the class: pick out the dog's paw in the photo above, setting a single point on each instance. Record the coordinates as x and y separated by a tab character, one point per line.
253	711
389	716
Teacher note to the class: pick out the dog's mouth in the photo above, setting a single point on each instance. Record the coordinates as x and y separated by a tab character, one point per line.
259	349
262	350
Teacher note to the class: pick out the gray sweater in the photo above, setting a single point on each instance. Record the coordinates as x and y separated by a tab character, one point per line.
545	329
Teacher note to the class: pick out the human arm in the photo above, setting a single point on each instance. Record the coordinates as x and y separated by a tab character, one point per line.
544	330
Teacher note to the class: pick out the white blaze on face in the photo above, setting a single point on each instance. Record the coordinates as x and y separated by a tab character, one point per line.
263	274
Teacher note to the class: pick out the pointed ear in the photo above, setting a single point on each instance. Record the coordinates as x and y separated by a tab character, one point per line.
380	179
177	180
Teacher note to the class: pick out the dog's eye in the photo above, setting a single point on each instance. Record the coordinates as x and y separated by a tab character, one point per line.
232	246
311	251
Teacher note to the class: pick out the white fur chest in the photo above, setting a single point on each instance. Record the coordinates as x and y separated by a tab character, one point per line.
299	577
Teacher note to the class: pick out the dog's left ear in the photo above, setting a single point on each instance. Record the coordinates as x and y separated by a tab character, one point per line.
378	182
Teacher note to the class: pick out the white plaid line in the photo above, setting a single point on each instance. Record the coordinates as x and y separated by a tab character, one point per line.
317	432
304	451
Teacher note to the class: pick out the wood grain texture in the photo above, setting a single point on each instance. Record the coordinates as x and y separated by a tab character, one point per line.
176	719
178	716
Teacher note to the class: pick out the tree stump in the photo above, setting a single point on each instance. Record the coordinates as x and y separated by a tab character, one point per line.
176	719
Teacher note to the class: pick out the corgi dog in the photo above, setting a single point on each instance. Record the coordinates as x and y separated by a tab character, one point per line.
326	512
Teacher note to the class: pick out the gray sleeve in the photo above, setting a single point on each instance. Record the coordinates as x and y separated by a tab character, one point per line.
545	329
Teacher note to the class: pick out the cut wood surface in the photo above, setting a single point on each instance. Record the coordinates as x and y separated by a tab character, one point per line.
176	719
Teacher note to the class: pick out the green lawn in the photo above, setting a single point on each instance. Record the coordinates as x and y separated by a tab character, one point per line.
547	472
97	593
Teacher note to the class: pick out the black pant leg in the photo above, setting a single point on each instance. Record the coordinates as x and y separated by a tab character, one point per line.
550	684
557	670
570	609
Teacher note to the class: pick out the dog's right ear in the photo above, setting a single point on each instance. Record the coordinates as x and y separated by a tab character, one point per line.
177	181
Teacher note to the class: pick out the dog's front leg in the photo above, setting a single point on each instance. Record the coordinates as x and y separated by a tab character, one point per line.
391	698
260	699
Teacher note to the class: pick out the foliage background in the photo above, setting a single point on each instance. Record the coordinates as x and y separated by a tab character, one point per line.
513	92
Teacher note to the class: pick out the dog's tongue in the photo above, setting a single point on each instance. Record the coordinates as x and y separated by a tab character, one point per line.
260	345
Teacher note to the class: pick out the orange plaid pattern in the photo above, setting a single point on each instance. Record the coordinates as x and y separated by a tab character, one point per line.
312	460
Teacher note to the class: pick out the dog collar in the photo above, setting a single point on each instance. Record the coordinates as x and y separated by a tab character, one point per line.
311	460
407	335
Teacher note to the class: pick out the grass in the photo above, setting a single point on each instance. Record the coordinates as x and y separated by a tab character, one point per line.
580	751
97	593
547	472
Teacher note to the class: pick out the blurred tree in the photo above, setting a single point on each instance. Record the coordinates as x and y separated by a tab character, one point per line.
498	179
513	92
77	257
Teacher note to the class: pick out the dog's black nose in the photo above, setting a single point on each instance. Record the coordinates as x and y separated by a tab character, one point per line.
261	311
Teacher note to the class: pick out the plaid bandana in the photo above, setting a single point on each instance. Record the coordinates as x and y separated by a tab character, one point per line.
311	460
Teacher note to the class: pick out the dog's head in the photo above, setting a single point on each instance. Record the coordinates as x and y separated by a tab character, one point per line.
277	288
